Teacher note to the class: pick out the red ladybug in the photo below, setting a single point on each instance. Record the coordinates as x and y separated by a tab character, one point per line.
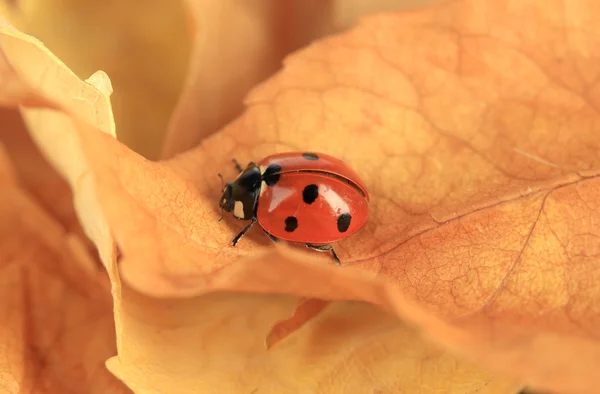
310	198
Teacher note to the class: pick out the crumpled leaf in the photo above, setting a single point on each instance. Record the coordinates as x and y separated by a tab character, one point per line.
226	63
136	320
57	325
145	48
305	311
142	46
35	175
216	345
52	130
478	143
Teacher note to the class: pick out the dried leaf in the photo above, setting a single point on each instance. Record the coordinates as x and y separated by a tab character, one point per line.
36	175
485	206
306	310
145	50
57	327
142	46
226	63
479	146
216	345
52	131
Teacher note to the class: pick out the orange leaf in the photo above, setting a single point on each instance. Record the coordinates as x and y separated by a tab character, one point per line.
56	316
177	322
215	344
227	62
306	310
478	141
36	175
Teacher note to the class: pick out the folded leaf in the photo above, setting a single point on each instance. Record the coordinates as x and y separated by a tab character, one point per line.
33	78
478	142
142	46
225	62
55	309
36	175
215	344
306	310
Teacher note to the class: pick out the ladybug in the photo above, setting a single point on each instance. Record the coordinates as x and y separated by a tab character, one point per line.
302	197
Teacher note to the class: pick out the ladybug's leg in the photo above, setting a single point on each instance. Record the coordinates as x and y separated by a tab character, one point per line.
325	248
237	165
244	231
272	238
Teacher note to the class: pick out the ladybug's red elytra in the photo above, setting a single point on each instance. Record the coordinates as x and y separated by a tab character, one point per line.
309	198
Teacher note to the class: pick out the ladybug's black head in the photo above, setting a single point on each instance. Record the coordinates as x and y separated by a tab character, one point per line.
241	195
227	202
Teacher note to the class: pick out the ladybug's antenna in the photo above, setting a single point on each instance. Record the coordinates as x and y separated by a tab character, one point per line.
222	185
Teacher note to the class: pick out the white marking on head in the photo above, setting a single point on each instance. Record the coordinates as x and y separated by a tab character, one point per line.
238	209
262	169
278	195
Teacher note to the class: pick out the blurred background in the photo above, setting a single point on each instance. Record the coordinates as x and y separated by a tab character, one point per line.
147	47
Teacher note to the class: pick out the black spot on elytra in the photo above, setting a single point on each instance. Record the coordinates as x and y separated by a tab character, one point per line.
271	175
291	224
310	193
343	222
310	156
